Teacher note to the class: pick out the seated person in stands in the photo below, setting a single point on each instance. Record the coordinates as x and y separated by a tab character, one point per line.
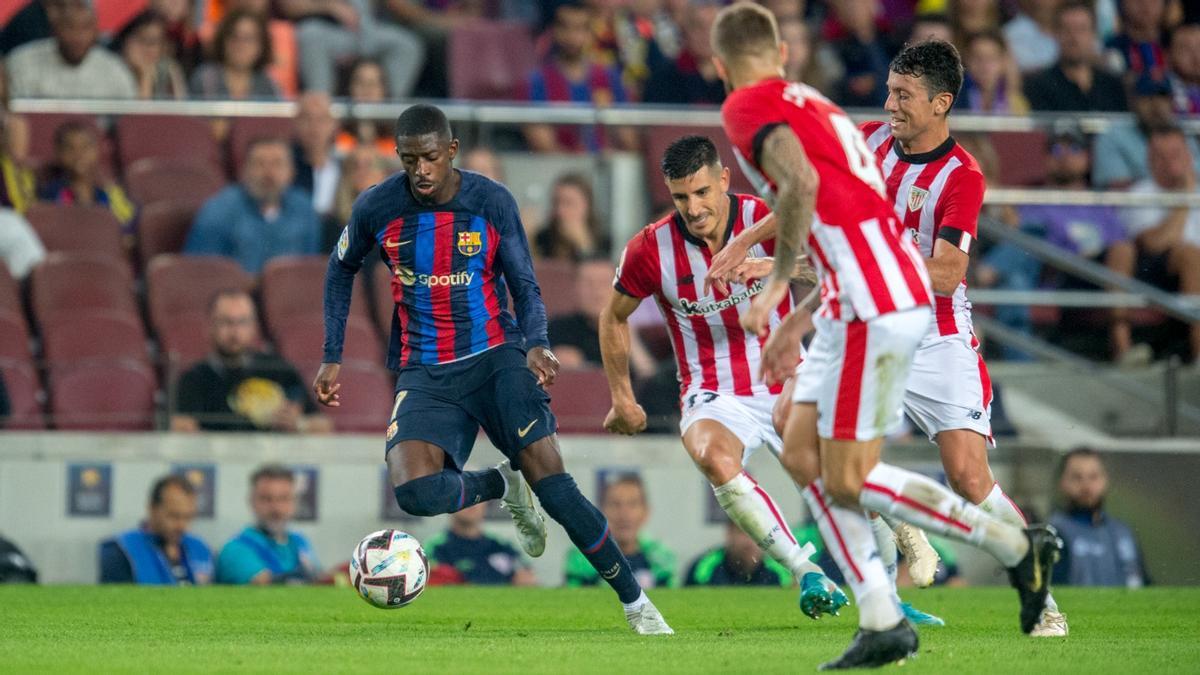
740	562
575	337
260	217
625	506
76	177
238	388
160	551
574	231
267	552
18	185
466	554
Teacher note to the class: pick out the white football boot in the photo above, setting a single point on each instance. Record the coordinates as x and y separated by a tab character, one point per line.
518	501
1052	624
922	559
646	620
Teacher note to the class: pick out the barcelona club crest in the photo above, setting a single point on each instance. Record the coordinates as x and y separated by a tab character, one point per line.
469	243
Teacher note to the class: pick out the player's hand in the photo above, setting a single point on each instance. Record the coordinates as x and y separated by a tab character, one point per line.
757	319
753	268
781	353
543	364
723	264
326	387
625	417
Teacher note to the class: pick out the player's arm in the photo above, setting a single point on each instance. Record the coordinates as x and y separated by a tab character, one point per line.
517	267
344	262
958	223
626	416
781	353
727	260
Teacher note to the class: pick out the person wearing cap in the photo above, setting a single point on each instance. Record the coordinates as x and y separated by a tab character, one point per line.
1075	83
1121	152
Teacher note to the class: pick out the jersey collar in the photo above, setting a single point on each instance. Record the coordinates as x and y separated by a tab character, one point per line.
697	241
925	157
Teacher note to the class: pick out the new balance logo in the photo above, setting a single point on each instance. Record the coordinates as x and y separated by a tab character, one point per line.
975	414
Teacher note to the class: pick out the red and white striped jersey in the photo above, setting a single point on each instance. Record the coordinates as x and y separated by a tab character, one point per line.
932	190
712	350
867	266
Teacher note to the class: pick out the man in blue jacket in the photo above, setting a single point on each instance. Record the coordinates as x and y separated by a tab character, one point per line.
160	551
268	552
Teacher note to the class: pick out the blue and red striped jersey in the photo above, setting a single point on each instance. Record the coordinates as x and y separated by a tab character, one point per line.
452	268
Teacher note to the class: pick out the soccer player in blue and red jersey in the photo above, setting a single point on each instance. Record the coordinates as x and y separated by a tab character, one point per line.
455	244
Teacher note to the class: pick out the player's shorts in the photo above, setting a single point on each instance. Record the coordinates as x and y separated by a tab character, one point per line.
949	387
447	404
856	372
747	417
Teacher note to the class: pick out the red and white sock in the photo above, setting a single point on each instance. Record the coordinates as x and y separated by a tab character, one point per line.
851	542
885	539
749	505
1001	506
931	506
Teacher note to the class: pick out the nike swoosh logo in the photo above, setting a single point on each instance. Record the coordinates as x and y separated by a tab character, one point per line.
394	244
521	432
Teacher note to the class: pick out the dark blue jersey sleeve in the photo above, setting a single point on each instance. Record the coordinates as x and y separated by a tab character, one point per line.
517	267
347	258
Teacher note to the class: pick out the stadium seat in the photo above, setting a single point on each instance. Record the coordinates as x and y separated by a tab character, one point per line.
102	396
656	141
556	278
91	229
14	337
153	179
183	340
41	138
366	396
300	339
246	129
10	292
92	335
295	286
489	60
382	300
1022	156
178	285
580	401
8	9
657	339
112	15
163	227
67	283
24	394
140	136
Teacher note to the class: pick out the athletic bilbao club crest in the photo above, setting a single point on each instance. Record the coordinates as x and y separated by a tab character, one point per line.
916	198
469	243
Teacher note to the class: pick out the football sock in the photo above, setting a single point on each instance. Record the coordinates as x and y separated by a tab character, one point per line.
931	506
848	535
885	539
588	530
637	604
448	491
1002	507
756	513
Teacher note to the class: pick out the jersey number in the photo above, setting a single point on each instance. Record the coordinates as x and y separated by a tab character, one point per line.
705	397
858	156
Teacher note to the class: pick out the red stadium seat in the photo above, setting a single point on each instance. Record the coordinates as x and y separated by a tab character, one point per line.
580	401
556	278
153	179
295	286
92	229
10	292
366	396
140	136
489	60
14	337
112	15
8	10
183	340
103	396
67	283
1022	156
163	227
656	142
25	394
179	284
301	339
93	335
246	129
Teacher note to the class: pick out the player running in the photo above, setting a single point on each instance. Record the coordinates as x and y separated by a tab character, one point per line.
456	246
810	159
726	412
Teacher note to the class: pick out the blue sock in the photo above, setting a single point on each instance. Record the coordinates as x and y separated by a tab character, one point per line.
588	530
448	491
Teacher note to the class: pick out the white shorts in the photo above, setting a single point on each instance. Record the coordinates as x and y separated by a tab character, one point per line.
949	387
747	417
856	372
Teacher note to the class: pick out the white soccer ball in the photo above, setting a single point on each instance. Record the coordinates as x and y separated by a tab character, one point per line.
389	569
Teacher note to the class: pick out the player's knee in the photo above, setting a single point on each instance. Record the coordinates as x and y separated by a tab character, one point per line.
969	485
843	486
802	464
422	496
719	465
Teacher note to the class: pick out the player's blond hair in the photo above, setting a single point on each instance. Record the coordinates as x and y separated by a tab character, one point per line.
744	29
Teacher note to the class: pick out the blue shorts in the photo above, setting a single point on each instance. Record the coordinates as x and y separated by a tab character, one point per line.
447	404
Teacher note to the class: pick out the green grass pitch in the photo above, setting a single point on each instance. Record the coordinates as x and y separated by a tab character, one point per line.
499	630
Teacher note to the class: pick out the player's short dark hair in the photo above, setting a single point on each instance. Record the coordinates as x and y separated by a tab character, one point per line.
173	480
1074	6
72	127
228	293
1082	451
689	154
742	29
421	119
936	62
272	472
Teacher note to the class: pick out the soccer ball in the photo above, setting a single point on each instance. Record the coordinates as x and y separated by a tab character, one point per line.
389	569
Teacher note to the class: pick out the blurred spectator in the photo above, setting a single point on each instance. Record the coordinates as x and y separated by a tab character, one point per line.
328	31
1138	48
239	56
1168	239
475	556
318	167
183	44
691	77
1030	34
432	21
931	27
739	562
160	551
575	337
647	38
1121	151
568	74
785	9
20	248
627	509
72	64
859	37
483	160
33	22
15	566
75	176
808	61
238	388
366	85
283	67
362	168
1098	550
574	231
1074	83
968	17
267	552
1184	57
262	216
142	43
18	185
991	82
